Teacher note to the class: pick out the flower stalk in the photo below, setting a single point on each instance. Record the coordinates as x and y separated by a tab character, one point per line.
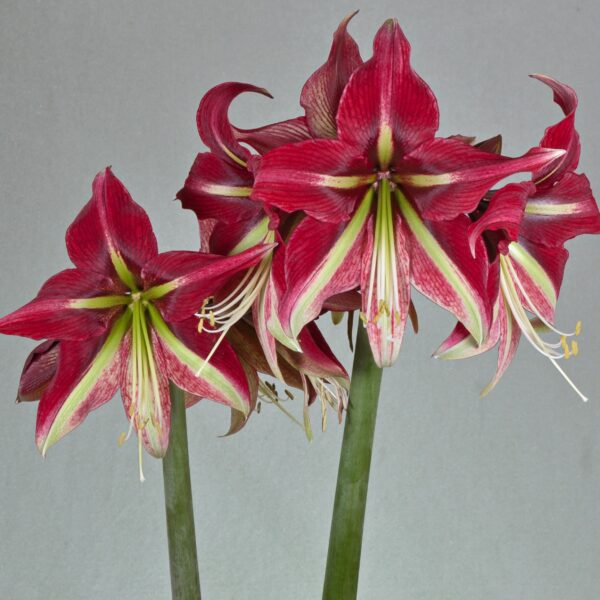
185	580
345	538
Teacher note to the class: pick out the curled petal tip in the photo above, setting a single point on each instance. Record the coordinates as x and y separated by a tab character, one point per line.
265	92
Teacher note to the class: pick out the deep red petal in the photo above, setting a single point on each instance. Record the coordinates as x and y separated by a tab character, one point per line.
562	135
52	315
447	177
504	212
307	250
310	176
38	371
111	222
268	137
217	189
509	335
224	237
213	121
74	360
464	293
564	211
385	97
321	93
538	296
224	360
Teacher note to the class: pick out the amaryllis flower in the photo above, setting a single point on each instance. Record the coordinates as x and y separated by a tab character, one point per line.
525	226
217	189
124	318
386	203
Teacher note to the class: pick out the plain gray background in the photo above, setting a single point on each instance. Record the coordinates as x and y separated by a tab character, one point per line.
469	498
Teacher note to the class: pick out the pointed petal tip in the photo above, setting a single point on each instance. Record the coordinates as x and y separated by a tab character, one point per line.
265	92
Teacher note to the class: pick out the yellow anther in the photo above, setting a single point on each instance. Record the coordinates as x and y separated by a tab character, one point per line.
574	348
578	328
211	316
201	325
565	347
122	439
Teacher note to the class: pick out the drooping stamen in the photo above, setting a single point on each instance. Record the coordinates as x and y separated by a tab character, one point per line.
236	304
268	393
509	282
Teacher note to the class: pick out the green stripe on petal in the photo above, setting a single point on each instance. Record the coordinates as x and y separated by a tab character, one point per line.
331	264
534	270
548	209
125	275
194	362
473	321
86	384
256	235
100	302
385	146
231	191
424	180
345	182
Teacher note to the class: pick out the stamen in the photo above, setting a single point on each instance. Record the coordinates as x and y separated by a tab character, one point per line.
508	279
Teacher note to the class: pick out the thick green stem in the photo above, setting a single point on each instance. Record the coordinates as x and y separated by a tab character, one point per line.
345	539
185	581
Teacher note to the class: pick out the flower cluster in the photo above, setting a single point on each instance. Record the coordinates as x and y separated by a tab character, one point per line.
345	208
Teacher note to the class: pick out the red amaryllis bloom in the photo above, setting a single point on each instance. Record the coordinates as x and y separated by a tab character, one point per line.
217	189
124	318
385	202
525	226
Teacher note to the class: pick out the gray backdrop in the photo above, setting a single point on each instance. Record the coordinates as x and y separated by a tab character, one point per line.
469	498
